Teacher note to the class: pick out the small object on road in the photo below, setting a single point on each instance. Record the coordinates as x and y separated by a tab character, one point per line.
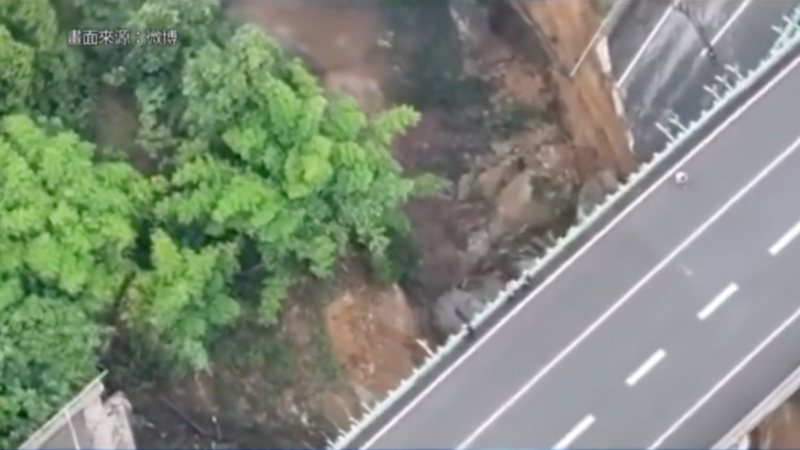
681	178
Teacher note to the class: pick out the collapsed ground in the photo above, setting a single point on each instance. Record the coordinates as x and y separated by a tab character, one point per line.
525	147
172	253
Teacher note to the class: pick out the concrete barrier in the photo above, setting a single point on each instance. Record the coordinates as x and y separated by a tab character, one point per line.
91	393
682	137
769	404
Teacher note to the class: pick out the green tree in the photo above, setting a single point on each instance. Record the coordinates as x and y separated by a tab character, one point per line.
298	174
16	73
66	226
67	221
39	72
260	159
265	177
48	352
183	298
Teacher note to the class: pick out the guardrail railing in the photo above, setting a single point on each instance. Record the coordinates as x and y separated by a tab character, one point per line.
726	96
769	404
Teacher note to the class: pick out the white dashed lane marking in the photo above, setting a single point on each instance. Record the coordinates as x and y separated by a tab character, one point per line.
717	301
646	367
575	432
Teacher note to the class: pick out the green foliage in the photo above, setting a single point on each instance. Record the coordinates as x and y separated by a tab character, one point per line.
16	76
266	178
182	295
299	175
48	351
39	73
66	224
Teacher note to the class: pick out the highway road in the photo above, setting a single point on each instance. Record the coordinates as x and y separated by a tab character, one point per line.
661	332
658	59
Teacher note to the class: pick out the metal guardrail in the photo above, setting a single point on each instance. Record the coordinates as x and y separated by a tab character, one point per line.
789	37
789	30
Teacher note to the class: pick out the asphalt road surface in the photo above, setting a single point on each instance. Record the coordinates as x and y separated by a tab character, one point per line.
658	63
664	330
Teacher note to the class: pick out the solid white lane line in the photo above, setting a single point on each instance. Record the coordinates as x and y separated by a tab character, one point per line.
647	366
785	240
667	176
640	52
728	24
717	301
628	295
575	432
738	368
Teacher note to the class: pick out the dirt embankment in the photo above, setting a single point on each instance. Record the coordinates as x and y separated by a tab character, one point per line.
590	114
525	147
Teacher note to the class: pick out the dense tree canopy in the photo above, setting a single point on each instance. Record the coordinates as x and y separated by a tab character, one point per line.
40	74
66	226
296	175
263	176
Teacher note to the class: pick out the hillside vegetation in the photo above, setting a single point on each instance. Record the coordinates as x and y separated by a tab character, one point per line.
242	176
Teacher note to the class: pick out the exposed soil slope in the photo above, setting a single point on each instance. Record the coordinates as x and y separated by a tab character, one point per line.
519	156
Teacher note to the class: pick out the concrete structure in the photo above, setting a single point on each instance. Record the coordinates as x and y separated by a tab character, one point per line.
87	422
659	62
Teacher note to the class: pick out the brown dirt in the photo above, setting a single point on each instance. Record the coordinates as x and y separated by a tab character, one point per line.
588	105
441	224
567	134
373	334
442	227
340	36
571	132
334	349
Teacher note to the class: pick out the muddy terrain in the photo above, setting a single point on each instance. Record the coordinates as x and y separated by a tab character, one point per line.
526	148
